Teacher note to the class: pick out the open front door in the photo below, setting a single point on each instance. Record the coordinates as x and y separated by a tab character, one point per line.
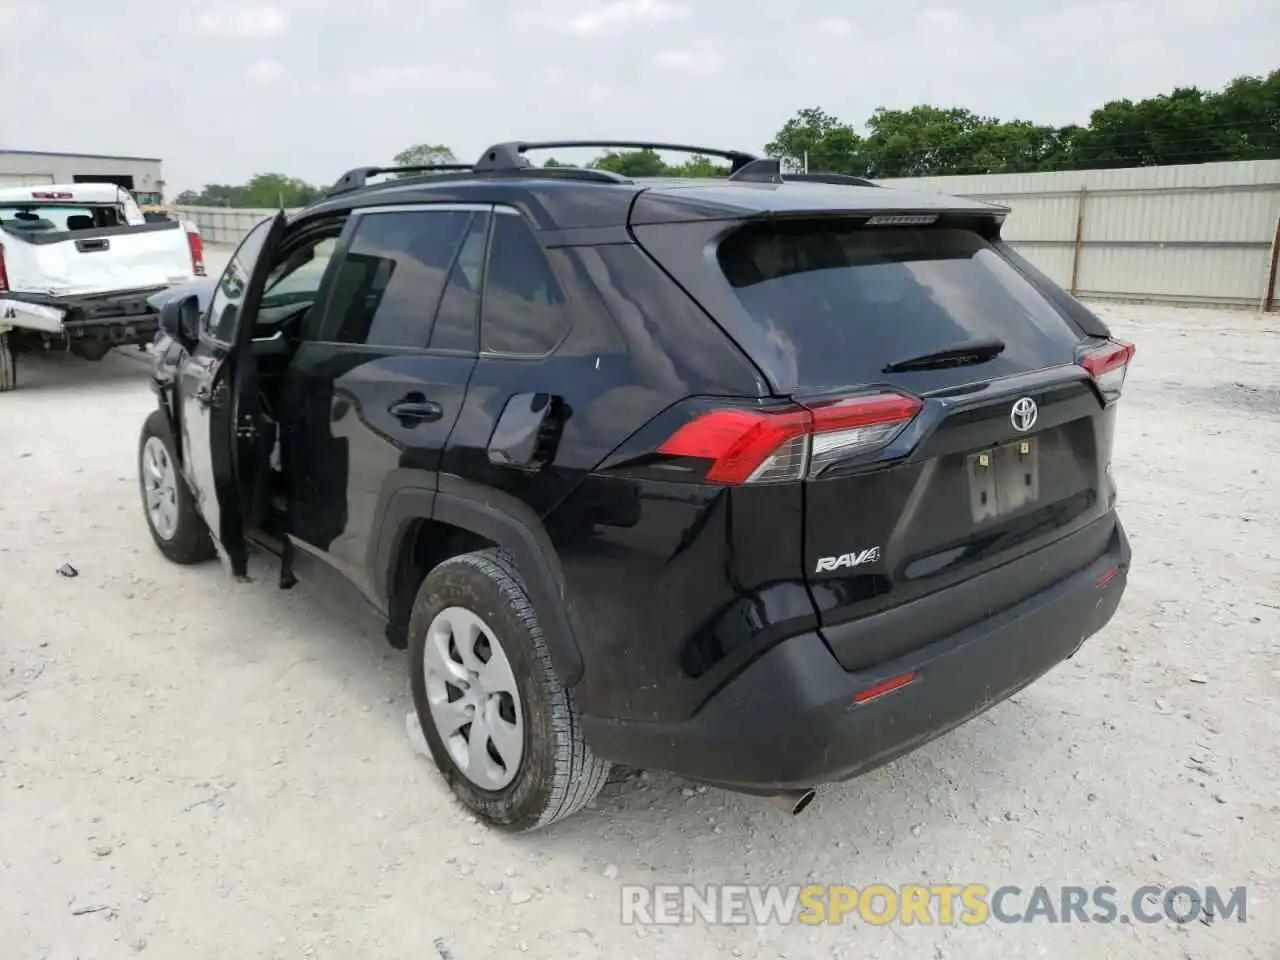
218	398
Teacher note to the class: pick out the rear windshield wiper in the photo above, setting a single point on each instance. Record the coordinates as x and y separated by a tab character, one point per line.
979	350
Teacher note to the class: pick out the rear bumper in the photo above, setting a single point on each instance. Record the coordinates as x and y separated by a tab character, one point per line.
790	720
117	317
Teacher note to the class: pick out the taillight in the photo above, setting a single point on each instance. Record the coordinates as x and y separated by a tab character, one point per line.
1108	365
196	244
751	446
4	274
856	425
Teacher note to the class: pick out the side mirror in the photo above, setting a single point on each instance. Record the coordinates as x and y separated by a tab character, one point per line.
180	319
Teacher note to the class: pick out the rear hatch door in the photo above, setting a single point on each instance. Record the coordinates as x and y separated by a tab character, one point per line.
1001	450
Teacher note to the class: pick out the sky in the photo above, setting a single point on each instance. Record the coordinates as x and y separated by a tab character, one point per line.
310	88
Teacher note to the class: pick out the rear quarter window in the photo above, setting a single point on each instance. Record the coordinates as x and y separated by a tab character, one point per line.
839	302
525	312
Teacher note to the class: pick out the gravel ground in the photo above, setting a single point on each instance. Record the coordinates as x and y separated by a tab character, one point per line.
195	768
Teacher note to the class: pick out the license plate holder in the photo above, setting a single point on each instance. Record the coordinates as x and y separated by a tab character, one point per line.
1003	479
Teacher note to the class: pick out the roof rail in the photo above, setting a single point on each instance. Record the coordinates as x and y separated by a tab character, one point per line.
843	179
509	158
511	155
357	177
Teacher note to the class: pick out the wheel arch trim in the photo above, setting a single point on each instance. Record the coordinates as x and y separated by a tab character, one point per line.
511	525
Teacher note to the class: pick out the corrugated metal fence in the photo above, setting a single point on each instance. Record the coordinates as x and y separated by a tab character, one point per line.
1195	234
225	226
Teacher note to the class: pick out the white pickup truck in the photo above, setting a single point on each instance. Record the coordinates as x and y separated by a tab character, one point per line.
77	265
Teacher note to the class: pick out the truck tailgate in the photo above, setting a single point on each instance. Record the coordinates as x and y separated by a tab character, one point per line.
98	261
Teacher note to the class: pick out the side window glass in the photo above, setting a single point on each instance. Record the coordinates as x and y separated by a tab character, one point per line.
389	283
525	311
458	319
297	278
220	321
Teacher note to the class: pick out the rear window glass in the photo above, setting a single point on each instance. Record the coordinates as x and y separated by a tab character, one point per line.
57	217
840	302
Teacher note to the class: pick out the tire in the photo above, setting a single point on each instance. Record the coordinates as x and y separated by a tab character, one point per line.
8	364
557	774
188	540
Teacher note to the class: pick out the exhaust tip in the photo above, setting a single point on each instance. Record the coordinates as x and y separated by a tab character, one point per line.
802	802
793	802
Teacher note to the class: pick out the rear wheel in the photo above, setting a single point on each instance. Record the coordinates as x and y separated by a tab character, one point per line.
502	729
175	524
8	364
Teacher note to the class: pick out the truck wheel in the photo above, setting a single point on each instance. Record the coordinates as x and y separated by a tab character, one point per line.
502	729
176	527
8	364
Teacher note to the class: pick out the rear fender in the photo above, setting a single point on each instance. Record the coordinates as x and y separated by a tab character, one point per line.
513	526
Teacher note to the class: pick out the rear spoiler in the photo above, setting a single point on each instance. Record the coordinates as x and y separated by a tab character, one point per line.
656	207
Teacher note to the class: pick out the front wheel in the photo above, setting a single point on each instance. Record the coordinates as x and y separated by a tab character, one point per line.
8	364
175	524
502	729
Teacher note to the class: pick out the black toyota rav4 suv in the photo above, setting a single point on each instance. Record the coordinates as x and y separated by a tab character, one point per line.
764	480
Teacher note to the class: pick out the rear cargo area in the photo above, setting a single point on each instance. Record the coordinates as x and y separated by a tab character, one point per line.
994	481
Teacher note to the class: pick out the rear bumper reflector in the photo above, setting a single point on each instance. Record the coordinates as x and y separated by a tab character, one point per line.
884	687
1107	577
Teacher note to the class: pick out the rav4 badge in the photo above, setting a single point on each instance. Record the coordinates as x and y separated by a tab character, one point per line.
855	559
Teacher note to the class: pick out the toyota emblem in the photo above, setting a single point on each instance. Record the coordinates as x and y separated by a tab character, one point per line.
1023	415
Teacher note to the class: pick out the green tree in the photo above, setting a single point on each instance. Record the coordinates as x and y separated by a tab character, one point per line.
1248	112
1171	128
264	190
279	190
927	141
423	155
632	163
698	166
815	137
1241	122
215	195
648	163
803	135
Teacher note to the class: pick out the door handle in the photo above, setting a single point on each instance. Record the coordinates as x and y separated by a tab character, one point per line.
204	397
415	409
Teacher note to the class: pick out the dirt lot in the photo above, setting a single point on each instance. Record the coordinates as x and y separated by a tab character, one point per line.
194	768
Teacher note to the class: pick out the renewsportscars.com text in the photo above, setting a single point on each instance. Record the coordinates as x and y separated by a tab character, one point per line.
970	904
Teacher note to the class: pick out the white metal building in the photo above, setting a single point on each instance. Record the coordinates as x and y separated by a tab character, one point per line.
139	174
